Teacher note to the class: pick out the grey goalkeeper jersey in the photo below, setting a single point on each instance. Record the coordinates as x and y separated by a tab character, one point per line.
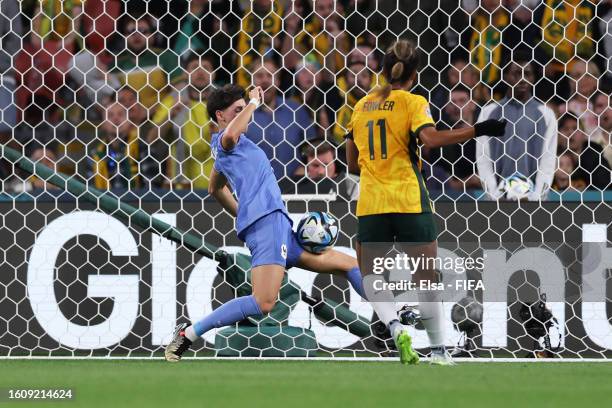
529	146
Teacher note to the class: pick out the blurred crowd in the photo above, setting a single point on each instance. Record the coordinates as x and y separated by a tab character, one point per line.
115	91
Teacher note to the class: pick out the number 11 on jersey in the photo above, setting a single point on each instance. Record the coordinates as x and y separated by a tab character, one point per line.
382	124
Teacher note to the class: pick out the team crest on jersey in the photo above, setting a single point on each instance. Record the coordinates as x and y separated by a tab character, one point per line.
284	251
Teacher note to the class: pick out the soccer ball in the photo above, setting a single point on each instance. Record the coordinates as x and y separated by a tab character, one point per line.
317	231
518	187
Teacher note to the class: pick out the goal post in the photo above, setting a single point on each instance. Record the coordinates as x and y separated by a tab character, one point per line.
109	238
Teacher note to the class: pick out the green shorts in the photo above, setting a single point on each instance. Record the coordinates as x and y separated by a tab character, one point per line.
397	227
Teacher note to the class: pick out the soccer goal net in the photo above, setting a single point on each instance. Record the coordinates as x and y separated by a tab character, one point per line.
106	137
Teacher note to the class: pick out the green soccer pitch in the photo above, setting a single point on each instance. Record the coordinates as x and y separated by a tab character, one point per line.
313	384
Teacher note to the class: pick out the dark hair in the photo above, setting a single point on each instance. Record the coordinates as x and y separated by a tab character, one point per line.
461	88
399	65
596	95
196	56
520	56
459	54
222	98
128	18
322	148
567	116
260	62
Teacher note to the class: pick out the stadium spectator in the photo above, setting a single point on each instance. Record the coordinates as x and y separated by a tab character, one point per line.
602	109
206	26
279	127
357	82
318	98
458	73
487	40
183	129
10	42
591	166
498	31
142	66
604	12
565	35
137	113
564	175
24	182
529	145
114	158
262	32
322	175
46	157
583	81
89	75
60	21
364	53
46	51
322	34
458	160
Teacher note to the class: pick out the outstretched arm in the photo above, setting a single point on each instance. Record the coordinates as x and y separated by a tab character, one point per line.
239	124
437	138
218	189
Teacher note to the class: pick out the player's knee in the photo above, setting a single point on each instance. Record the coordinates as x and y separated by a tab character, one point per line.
266	305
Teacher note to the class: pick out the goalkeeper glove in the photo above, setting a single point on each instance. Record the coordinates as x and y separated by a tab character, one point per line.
490	127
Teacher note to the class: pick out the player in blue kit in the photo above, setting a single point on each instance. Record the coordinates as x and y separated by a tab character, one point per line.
262	220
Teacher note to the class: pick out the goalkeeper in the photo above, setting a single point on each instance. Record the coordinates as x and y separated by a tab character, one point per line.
382	146
262	220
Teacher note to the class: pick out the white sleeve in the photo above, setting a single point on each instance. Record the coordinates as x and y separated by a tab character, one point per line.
548	158
485	166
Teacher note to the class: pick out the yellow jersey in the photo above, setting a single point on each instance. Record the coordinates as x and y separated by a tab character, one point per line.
385	133
196	134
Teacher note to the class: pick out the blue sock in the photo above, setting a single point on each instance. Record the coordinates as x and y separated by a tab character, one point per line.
354	277
228	313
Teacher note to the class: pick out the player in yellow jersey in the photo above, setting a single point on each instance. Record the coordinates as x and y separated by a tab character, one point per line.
385	131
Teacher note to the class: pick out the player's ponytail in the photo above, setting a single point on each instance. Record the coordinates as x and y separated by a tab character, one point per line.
399	65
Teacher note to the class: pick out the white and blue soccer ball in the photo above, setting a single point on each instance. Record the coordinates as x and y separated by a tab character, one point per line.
518	187
317	231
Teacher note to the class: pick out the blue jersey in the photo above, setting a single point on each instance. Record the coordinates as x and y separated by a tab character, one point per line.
250	174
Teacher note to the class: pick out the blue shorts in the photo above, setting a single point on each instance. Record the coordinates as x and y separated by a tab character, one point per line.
272	241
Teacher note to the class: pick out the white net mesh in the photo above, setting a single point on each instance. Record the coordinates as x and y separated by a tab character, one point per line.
114	95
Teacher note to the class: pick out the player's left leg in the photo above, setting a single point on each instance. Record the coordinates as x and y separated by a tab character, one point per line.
266	281
335	263
338	263
430	305
418	232
267	240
